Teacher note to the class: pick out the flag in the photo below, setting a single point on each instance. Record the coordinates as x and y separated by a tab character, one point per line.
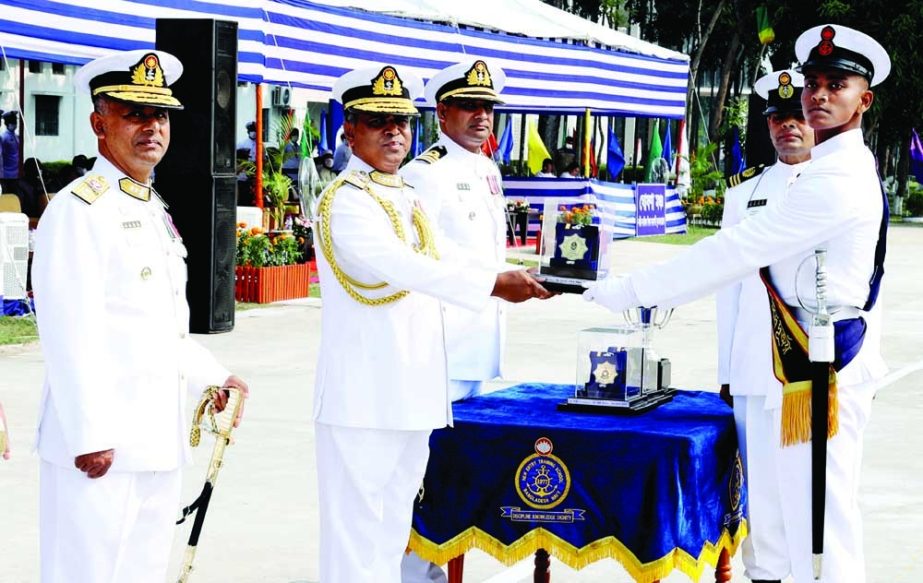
416	143
505	147
683	175
489	147
594	165
537	152
916	156
737	158
615	159
654	153
323	145
763	27
336	122
668	146
587	147
306	146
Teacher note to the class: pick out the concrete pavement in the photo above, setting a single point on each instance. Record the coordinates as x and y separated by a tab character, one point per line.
263	522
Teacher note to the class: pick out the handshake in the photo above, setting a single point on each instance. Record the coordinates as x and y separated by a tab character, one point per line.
613	292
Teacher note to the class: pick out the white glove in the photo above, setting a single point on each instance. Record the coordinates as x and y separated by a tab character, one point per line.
614	292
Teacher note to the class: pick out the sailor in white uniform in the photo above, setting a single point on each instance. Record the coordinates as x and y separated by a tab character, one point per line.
744	336
836	203
110	277
460	189
381	385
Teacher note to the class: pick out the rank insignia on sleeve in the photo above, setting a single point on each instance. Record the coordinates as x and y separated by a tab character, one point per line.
432	155
747	174
92	187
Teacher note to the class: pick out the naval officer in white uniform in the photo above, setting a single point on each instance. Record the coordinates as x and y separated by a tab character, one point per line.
110	278
460	189
744	337
381	384
836	203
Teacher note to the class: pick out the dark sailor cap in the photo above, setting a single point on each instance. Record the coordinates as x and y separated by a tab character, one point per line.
781	90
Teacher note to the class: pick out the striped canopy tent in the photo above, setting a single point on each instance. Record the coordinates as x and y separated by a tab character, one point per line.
555	62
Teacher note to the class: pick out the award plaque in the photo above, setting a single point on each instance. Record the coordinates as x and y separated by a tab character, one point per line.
618	370
574	246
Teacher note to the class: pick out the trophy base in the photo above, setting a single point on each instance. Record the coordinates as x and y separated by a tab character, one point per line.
567	285
613	407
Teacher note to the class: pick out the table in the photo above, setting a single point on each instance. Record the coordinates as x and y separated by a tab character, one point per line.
518	220
515	477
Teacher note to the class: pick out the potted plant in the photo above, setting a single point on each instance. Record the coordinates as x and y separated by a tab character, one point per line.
268	268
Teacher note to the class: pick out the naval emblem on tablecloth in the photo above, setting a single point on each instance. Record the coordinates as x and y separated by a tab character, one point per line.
542	479
543	482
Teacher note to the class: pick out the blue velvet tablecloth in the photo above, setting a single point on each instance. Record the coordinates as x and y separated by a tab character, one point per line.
657	492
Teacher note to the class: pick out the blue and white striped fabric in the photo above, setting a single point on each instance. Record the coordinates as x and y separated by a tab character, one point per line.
310	45
615	202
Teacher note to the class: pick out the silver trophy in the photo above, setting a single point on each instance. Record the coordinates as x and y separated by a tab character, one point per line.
618	370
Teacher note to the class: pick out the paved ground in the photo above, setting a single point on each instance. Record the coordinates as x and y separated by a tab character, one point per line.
263	523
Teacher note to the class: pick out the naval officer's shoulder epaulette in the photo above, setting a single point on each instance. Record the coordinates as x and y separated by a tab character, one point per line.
747	174
357	178
91	188
432	155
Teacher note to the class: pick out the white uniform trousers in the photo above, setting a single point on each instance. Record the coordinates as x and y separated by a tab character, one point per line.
114	529
779	489
367	480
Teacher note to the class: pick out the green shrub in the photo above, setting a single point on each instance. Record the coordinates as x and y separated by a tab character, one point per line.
712	212
914	204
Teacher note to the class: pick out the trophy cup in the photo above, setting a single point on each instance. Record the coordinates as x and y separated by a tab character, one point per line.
574	246
618	370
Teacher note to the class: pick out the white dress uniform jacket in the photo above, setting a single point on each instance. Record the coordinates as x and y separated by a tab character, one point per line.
110	278
835	203
384	367
461	192
744	327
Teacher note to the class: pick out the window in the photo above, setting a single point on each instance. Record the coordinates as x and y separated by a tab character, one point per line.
35	66
2	63
47	109
57	68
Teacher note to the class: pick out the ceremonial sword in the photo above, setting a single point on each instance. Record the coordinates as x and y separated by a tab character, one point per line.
220	425
821	353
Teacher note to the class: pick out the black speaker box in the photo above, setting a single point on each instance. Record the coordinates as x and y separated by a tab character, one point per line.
197	175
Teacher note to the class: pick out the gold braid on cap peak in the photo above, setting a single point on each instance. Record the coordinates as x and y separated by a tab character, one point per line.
426	245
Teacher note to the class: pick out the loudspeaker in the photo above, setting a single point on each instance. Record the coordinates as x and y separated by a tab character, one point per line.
203	138
197	175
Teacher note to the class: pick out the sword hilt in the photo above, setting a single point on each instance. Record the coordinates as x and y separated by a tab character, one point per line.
821	346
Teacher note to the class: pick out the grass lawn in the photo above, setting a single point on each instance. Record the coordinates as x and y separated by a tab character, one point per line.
693	235
17	330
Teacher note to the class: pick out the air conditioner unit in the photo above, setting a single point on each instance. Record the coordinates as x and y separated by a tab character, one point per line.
14	255
281	96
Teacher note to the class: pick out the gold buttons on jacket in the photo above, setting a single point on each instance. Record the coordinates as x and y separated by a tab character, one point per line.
146	273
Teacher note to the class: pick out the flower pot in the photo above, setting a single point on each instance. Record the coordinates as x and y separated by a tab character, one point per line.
262	285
